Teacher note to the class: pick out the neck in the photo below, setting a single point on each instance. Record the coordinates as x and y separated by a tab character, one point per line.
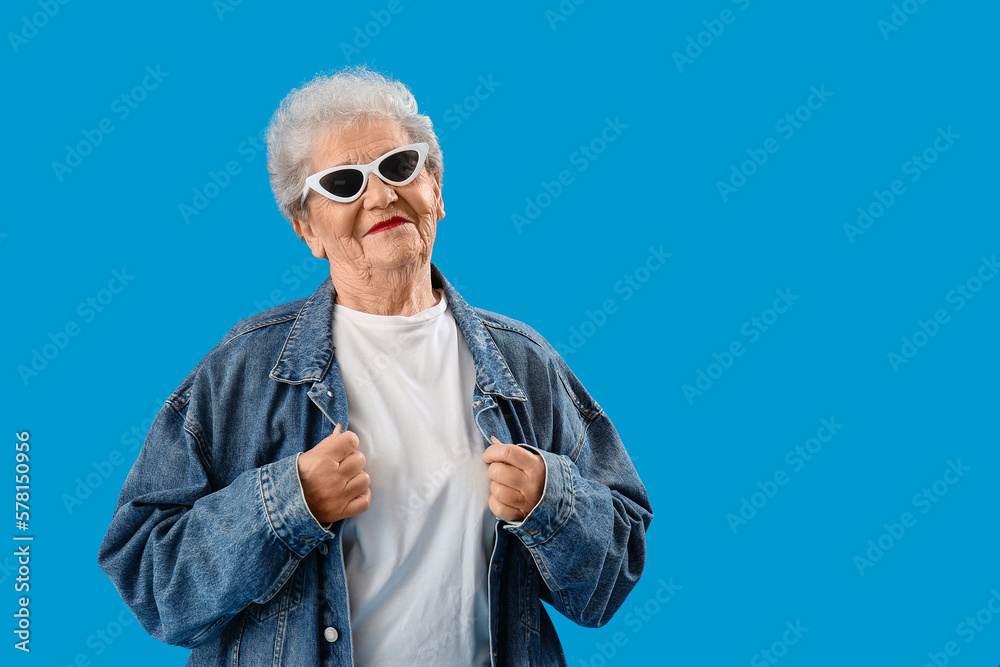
403	291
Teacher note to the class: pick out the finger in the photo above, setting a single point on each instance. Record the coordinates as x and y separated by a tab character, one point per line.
494	451
507	475
358	504
352	464
504	512
337	430
507	495
519	457
356	485
339	445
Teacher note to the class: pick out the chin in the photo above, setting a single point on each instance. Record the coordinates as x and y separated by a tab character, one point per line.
401	258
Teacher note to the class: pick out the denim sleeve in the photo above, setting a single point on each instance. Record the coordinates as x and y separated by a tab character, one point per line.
587	534
187	558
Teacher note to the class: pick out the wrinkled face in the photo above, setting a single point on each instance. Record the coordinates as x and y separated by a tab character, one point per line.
352	235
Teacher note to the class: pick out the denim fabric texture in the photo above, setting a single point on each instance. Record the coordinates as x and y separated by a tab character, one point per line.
213	547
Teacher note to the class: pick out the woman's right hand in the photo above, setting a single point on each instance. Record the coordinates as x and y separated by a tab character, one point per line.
333	478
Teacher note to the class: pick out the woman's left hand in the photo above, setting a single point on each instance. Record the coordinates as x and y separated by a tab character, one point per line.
518	476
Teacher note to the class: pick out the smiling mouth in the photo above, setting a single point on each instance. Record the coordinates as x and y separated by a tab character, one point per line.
394	221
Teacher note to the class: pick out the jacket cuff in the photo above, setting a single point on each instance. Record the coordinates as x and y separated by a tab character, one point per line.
555	506
286	509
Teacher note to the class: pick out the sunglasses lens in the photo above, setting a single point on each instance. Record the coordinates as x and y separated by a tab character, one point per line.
399	166
343	183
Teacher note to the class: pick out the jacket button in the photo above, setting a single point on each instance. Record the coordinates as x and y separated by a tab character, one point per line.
331	635
329	394
323	549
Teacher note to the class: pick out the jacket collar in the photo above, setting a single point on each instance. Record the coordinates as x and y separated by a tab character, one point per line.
308	351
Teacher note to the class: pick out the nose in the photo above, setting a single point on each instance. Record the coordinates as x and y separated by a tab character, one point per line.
378	194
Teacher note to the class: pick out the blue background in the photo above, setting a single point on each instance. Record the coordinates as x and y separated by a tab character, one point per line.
683	127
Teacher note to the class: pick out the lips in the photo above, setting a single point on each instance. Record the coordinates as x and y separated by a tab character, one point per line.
394	221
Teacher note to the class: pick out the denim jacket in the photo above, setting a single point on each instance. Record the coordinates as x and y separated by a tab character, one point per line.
212	545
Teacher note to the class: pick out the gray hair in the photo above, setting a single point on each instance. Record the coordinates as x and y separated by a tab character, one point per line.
341	99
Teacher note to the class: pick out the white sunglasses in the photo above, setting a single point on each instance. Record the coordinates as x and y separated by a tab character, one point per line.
346	182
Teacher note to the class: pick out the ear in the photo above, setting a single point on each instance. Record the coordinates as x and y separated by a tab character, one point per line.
305	232
436	186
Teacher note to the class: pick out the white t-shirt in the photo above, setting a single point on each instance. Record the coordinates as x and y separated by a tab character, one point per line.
417	559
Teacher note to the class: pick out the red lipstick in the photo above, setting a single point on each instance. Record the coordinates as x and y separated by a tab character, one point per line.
394	221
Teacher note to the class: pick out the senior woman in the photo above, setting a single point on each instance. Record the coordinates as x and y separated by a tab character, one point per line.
379	474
